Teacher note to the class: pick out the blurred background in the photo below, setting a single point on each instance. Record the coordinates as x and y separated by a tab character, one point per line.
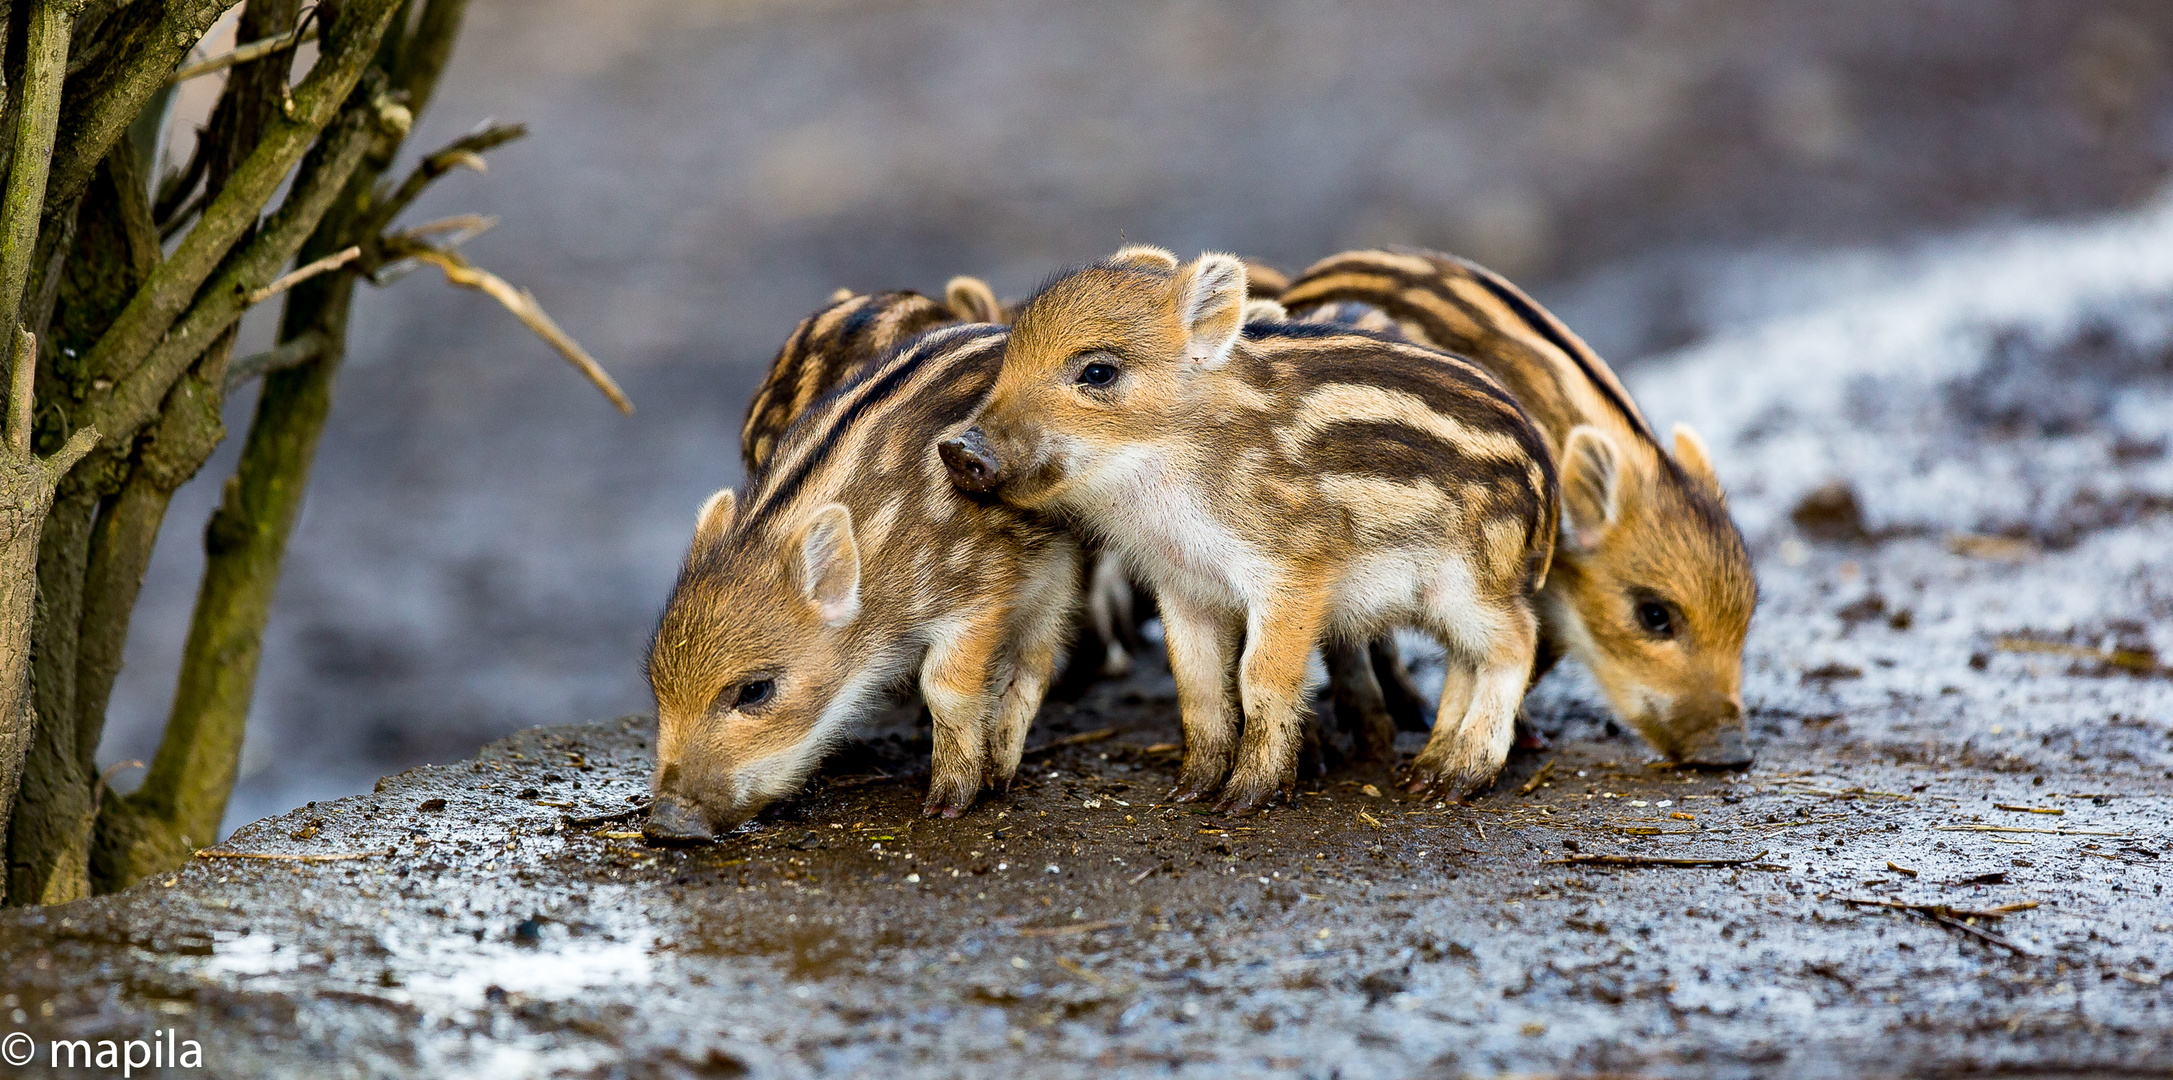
487	543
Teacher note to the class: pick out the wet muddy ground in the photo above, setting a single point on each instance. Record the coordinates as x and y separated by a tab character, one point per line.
1077	928
487	541
1949	860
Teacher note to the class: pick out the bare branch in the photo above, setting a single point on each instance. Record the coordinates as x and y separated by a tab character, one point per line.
464	152
151	370
463	227
427	51
134	204
52	23
94	125
290	353
60	461
255	50
120	353
303	273
22	382
522	304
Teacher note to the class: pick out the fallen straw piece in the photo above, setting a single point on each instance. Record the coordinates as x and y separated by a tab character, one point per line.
1538	778
627	814
1952	918
1097	735
1999	912
2025	829
275	856
1649	860
1075	928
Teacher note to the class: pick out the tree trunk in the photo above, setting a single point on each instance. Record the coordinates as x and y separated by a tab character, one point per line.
26	493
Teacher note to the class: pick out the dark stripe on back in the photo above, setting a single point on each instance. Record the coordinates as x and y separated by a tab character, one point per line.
1546	327
1397	451
1534	318
859	321
1265	330
904	361
1439	382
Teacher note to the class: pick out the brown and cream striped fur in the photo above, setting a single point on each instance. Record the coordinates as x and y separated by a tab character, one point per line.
1277	486
1652	588
850	565
853	331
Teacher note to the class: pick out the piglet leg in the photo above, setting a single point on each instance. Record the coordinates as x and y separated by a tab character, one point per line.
957	682
1201	644
1271	682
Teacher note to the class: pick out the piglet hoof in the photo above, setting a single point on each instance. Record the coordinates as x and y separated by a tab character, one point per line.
1243	795
1435	780
1197	781
947	800
1529	737
1449	784
1192	790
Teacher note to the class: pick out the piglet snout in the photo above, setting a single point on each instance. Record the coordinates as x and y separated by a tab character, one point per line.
1726	747
674	824
971	464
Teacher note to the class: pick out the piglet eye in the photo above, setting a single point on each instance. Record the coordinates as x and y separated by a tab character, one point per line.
1654	617
754	693
1098	373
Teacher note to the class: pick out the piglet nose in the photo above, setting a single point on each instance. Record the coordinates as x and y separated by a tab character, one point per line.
972	466
1726	747
673	823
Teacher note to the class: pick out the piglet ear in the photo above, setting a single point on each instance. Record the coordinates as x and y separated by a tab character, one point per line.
1143	257
1591	486
1210	295
714	520
1258	310
971	299
830	565
1691	454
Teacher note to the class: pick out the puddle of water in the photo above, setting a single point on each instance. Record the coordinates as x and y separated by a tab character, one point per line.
246	956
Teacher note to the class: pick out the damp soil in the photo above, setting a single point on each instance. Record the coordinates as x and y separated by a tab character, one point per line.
483	919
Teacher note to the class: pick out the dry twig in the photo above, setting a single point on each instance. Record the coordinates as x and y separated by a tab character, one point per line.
459	271
1075	928
1080	739
255	50
303	273
275	856
1650	860
292	352
1952	918
1538	778
628	814
2024	829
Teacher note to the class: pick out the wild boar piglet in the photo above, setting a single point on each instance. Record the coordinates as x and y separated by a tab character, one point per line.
852	566
1652	588
1276	486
